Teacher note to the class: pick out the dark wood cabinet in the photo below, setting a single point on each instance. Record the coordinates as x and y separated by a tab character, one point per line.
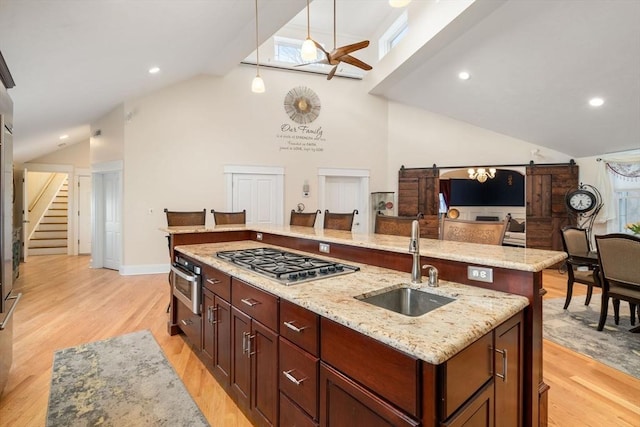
254	371
190	323
508	374
240	361
345	403
216	323
478	412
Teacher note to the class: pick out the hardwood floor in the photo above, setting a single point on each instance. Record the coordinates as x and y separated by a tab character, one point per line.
65	304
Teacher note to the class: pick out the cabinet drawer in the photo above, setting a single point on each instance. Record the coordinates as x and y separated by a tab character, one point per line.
256	303
299	376
392	374
292	416
465	373
217	282
300	326
190	324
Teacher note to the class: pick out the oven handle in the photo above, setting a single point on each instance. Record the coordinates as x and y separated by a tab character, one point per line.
185	275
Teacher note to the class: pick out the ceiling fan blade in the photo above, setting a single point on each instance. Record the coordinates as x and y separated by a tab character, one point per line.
332	72
344	50
319	46
355	62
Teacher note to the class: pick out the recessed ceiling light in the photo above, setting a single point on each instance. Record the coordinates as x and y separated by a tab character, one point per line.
399	3
64	136
464	75
154	70
596	102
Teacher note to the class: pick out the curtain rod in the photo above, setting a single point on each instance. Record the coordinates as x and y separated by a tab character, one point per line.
531	163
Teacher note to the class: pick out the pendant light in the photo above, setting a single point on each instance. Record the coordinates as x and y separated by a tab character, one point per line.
257	86
308	51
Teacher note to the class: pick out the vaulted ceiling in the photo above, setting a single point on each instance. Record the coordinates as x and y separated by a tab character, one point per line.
534	64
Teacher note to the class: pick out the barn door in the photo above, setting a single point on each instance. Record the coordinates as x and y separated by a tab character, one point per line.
546	187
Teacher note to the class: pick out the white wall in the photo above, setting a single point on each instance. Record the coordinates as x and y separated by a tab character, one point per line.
179	140
109	145
76	155
419	138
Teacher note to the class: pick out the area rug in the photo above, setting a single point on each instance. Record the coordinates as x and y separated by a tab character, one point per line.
121	381
576	329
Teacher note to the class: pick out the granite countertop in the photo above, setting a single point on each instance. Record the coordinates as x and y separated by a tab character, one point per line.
513	258
434	337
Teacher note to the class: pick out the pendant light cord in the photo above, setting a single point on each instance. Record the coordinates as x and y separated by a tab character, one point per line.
308	28
334	24
257	45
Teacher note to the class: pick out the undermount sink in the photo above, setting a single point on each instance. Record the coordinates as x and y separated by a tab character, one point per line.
407	301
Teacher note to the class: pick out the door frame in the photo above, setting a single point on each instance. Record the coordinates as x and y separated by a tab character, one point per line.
362	174
52	168
80	172
98	171
276	171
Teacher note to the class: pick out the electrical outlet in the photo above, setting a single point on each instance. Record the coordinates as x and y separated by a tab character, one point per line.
481	274
324	247
258	236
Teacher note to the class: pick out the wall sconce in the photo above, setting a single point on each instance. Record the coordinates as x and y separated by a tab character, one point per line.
481	174
305	189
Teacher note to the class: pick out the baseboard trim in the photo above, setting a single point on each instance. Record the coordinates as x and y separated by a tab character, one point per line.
133	270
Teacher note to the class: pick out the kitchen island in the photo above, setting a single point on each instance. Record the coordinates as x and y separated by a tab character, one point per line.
449	330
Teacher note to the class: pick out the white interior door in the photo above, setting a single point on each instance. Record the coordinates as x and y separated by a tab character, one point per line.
84	214
343	194
112	220
258	195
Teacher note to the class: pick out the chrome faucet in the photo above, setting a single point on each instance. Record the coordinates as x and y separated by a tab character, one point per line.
414	248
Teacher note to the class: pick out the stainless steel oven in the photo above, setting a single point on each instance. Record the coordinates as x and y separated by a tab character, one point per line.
187	283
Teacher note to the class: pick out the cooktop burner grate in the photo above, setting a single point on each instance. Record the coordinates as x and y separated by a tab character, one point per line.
286	267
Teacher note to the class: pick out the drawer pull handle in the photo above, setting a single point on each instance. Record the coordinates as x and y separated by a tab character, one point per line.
250	301
292	378
249	338
503	375
213	319
213	281
293	327
244	342
187	322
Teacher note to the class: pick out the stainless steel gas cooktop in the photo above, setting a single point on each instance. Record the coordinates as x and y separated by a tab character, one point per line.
285	267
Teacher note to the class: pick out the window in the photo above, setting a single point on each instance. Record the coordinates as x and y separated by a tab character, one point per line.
393	35
288	50
628	209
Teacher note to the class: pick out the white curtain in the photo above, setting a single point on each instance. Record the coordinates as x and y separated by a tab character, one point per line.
626	166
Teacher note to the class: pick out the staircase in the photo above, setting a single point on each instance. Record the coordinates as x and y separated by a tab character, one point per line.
50	237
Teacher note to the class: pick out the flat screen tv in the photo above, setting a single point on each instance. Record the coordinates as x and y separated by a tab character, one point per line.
506	189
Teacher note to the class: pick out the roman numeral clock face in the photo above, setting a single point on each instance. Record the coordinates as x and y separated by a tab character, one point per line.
580	201
302	105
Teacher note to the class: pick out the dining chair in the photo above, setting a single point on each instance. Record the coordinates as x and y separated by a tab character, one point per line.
182	218
303	219
575	241
485	232
395	225
339	221
619	259
225	218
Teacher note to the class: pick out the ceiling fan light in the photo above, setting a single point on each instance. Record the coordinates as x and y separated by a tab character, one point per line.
308	51
399	3
257	85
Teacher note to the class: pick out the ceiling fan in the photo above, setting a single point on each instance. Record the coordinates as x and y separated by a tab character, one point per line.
340	54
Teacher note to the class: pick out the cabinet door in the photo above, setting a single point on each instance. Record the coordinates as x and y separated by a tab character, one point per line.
508	372
222	337
344	403
263	348
478	412
208	306
240	362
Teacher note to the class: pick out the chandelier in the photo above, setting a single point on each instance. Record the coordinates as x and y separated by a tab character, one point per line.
481	174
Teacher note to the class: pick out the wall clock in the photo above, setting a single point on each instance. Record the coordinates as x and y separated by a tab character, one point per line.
581	200
302	105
